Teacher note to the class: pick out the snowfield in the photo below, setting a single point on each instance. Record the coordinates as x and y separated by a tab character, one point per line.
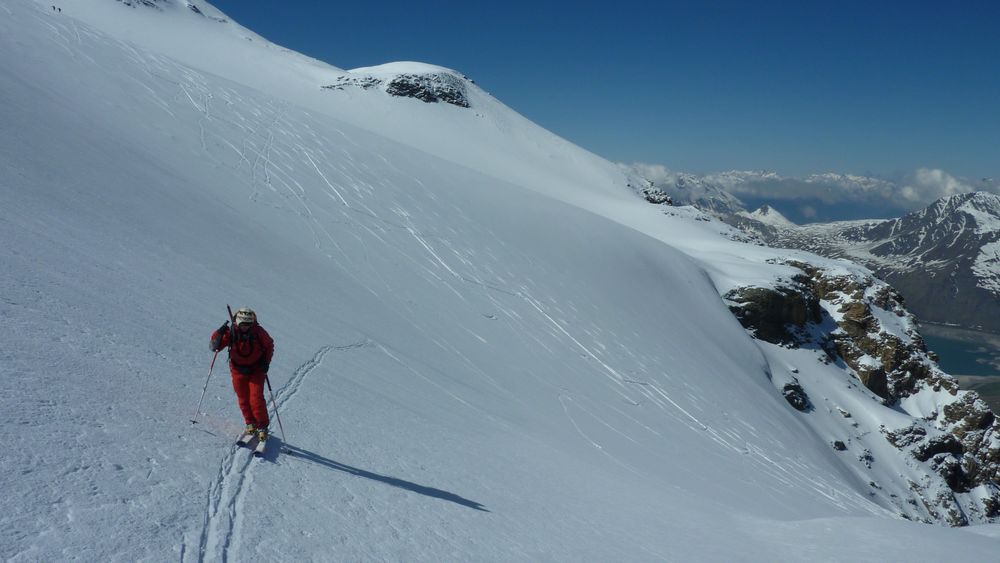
487	347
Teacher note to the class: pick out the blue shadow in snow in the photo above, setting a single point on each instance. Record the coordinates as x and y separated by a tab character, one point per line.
300	453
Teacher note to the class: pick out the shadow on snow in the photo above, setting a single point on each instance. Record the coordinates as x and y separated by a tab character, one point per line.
306	455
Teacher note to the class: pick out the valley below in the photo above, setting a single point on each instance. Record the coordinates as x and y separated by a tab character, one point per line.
972	356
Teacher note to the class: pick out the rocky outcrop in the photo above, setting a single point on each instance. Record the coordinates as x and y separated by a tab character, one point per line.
657	196
889	364
362	82
796	396
428	87
147	3
776	314
860	322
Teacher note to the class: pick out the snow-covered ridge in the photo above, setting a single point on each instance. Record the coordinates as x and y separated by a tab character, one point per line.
521	152
199	35
169	4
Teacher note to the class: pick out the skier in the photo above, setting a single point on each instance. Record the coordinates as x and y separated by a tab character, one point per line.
250	352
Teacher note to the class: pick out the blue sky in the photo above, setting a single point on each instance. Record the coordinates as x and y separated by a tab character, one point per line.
881	88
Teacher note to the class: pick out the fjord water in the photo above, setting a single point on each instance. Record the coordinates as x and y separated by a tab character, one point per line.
964	351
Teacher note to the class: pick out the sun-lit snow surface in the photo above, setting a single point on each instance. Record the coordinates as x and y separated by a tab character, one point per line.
473	362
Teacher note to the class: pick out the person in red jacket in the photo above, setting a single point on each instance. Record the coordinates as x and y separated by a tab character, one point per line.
250	352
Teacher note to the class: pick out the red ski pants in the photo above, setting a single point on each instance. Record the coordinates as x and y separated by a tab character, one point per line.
250	395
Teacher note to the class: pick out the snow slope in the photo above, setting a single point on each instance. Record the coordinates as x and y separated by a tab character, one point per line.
485	350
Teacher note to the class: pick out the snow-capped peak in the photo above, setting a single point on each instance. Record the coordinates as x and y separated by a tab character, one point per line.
770	216
388	70
982	208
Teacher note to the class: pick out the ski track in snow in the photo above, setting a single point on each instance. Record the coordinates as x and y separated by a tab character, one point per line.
223	522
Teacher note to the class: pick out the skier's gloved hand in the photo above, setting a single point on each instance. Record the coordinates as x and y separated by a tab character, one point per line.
216	342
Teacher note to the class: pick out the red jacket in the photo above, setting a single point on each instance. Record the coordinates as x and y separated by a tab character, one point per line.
249	352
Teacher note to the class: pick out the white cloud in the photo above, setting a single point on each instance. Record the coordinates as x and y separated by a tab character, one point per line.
912	191
926	185
655	172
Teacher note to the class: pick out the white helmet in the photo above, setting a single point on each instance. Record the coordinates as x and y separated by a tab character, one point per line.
245	315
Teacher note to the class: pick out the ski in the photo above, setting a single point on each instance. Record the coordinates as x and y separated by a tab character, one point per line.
260	449
246	440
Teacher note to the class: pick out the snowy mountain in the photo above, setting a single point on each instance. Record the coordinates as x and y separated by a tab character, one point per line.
852	183
656	184
769	216
731	192
487	348
806	199
943	259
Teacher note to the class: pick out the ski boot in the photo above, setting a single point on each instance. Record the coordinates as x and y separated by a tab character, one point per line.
248	435
261	448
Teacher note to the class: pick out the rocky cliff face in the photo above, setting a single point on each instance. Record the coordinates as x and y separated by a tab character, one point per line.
952	438
427	87
147	3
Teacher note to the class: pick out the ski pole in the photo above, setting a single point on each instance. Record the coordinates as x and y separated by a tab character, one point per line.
210	366
276	415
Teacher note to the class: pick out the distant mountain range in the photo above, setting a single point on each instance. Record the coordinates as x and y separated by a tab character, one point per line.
813	198
944	259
